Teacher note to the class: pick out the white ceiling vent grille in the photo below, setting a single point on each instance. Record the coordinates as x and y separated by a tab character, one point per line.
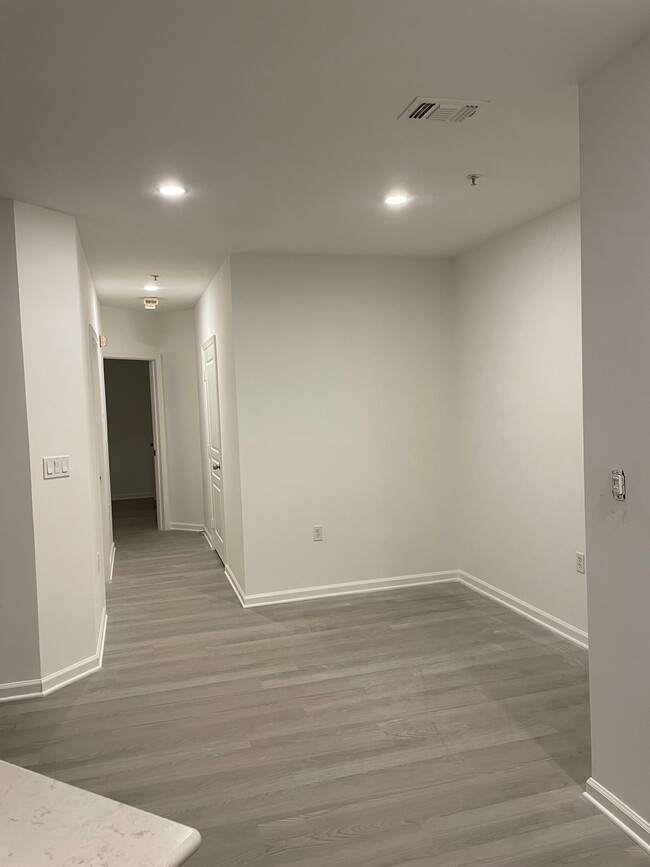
441	110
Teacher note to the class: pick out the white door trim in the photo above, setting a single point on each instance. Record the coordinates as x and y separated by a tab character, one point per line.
159	435
100	452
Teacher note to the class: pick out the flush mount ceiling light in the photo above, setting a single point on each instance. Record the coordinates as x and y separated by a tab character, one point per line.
396	200
171	191
150	303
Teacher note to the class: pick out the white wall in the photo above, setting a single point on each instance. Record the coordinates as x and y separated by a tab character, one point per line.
520	472
130	429
182	419
94	370
19	638
171	336
213	317
131	332
343	377
55	349
616	322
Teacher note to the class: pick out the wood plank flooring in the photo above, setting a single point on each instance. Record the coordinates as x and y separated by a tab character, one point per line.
427	727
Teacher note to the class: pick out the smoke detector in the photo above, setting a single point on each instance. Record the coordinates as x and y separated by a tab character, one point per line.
441	110
150	303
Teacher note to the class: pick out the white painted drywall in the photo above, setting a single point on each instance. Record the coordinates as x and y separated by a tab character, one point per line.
520	469
55	348
213	317
130	429
182	417
131	332
19	638
344	388
103	519
616	355
146	334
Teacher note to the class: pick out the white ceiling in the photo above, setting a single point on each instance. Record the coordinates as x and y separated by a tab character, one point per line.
280	117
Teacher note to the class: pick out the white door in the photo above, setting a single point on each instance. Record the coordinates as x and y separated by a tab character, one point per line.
213	436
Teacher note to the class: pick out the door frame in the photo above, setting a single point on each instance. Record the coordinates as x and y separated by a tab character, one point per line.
100	453
158	423
212	341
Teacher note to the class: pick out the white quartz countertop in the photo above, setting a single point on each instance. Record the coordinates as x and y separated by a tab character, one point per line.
44	822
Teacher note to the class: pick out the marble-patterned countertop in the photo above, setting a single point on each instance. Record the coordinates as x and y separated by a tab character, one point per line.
44	822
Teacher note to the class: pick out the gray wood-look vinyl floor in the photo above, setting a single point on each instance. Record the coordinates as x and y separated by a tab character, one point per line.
424	727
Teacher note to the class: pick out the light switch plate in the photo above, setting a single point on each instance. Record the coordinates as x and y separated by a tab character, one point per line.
56	467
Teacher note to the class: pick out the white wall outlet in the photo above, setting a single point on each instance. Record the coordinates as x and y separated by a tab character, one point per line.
317	532
580	562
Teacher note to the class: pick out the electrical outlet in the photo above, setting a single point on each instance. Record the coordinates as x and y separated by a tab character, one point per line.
317	532
580	562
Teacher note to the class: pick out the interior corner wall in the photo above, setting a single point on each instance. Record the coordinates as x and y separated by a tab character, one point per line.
344	396
213	317
145	334
182	422
91	323
55	348
520	477
19	637
616	355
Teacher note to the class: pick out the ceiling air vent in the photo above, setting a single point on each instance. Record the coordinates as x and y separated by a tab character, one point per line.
441	110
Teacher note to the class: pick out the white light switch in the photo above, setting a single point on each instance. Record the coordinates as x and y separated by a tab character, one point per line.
56	468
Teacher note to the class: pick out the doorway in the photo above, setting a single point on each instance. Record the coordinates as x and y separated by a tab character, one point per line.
134	436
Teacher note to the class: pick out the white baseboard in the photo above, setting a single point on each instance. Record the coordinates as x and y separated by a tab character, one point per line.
109	580
192	528
207	537
372	585
542	618
236	586
141	496
620	814
21	689
51	682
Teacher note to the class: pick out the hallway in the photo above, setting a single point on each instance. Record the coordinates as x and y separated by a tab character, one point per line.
423	727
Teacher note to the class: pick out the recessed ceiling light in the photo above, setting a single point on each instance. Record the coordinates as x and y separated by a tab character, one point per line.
172	191
396	199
